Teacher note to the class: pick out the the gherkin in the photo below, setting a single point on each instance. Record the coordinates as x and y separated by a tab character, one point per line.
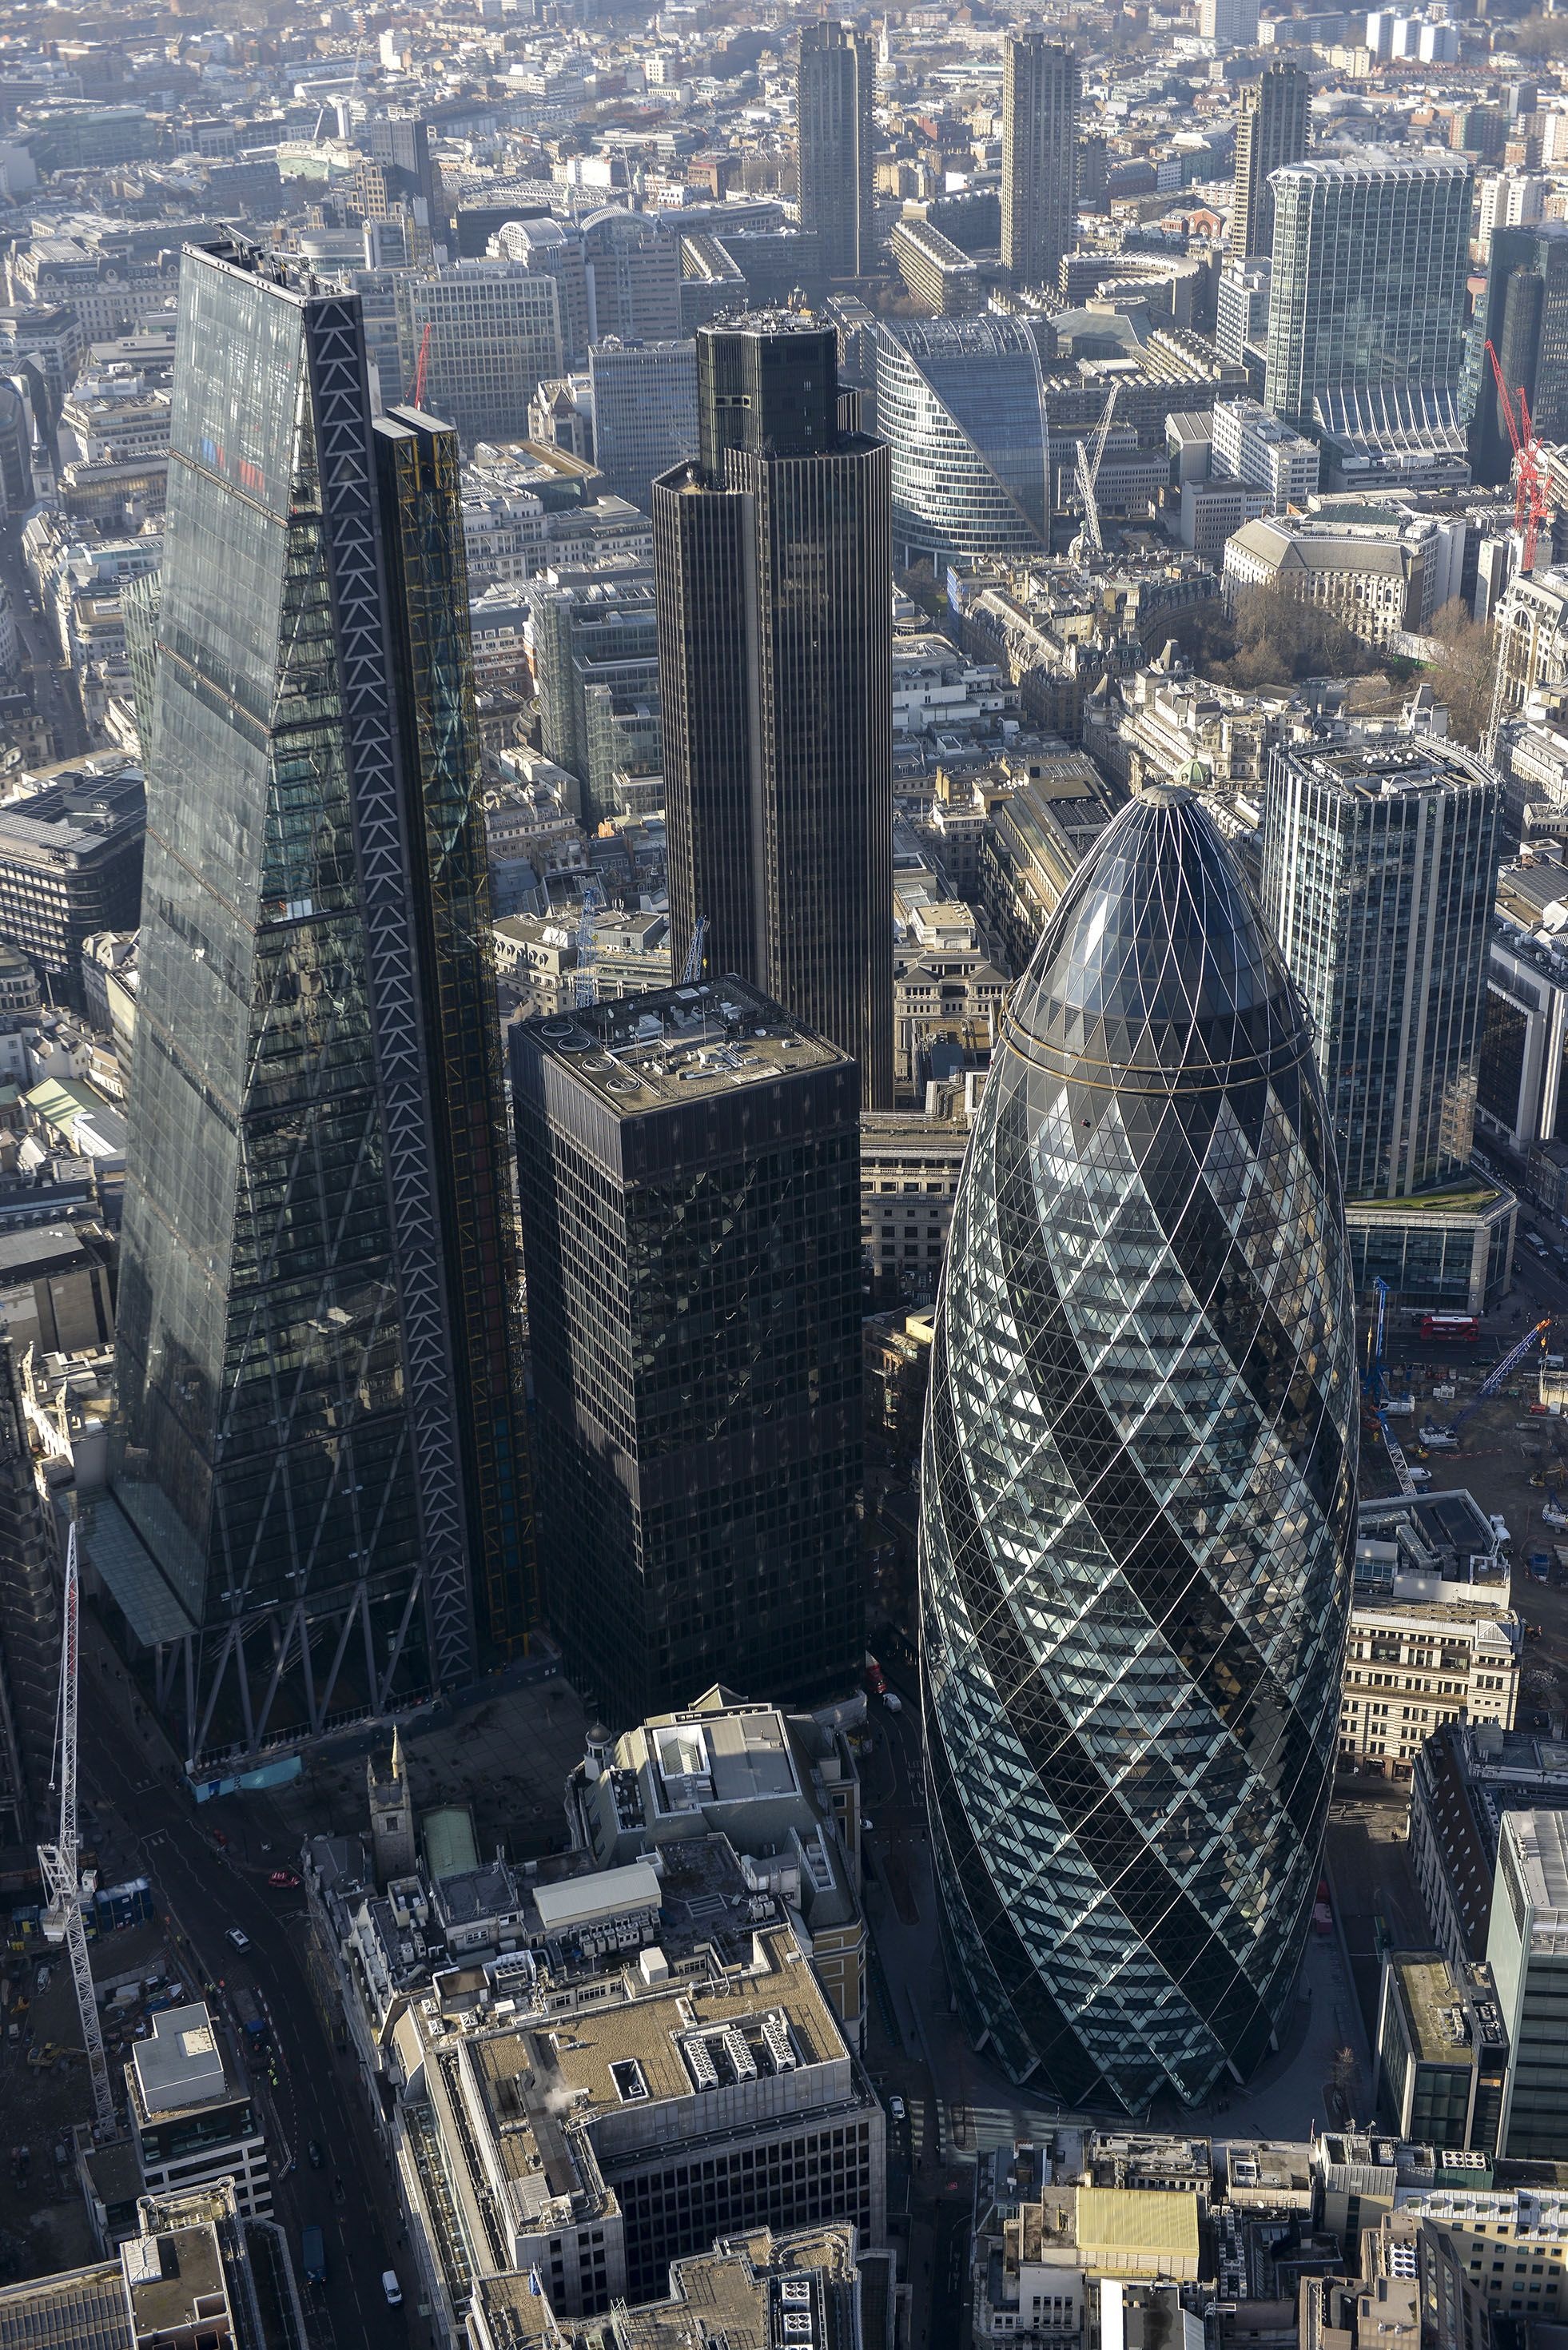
1139	1488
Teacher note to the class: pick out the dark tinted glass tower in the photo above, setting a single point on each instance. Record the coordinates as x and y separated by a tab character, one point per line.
317	1469
1039	95
690	1174
1525	318
772	557
1139	1490
836	89
1271	131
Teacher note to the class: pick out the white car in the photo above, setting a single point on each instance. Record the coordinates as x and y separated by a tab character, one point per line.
241	1942
391	2287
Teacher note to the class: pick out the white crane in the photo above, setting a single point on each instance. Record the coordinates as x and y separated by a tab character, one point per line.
1089	471
61	1861
694	971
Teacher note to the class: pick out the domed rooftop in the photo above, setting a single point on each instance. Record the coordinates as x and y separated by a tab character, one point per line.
1158	961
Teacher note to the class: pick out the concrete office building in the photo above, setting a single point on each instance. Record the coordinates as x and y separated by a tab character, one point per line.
1433	1637
836	89
586	630
192	2119
1271	132
782	1788
697	1409
1469	1776
644	402
595	2129
1040	98
495	332
1440	2062
70	865
1253	447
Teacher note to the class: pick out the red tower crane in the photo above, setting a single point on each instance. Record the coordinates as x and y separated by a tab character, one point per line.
1529	475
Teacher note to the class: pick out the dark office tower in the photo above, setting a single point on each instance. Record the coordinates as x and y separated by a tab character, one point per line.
1526	322
1039	95
315	1296
689	1165
834	91
1138	1499
1272	131
773	554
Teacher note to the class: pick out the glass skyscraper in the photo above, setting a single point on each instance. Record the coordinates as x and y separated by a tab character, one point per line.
1139	1490
1379	867
1367	290
319	1498
962	405
772	555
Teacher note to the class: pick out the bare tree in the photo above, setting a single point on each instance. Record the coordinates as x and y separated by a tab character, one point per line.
1466	668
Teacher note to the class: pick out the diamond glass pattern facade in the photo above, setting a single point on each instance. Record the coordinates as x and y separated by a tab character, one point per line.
1139	1488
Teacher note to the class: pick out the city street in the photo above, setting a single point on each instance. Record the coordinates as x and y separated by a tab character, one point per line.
205	1889
54	693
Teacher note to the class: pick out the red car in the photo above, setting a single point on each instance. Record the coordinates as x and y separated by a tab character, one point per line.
283	1880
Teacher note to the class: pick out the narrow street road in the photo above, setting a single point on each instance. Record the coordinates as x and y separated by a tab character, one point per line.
204	1890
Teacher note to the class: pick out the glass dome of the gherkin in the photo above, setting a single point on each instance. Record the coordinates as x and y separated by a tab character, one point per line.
1157	958
1137	1494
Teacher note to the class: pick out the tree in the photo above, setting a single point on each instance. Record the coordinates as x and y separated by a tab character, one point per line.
1467	666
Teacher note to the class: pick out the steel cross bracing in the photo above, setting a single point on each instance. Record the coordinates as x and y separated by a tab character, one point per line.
61	1861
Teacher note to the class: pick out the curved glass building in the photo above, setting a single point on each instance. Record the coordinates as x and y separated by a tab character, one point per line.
961	406
1137	1494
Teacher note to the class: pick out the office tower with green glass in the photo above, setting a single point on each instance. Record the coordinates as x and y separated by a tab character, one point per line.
320	1503
1367	297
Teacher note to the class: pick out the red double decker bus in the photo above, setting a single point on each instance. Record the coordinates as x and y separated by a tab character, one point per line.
1458	1329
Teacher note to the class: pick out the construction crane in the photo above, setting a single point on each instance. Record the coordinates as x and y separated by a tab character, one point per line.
694	971
1529	468
1432	1434
1089	471
61	1861
1372	1384
421	365
586	987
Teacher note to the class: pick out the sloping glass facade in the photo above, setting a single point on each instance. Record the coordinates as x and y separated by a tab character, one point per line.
961	406
1139	1490
309	1241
